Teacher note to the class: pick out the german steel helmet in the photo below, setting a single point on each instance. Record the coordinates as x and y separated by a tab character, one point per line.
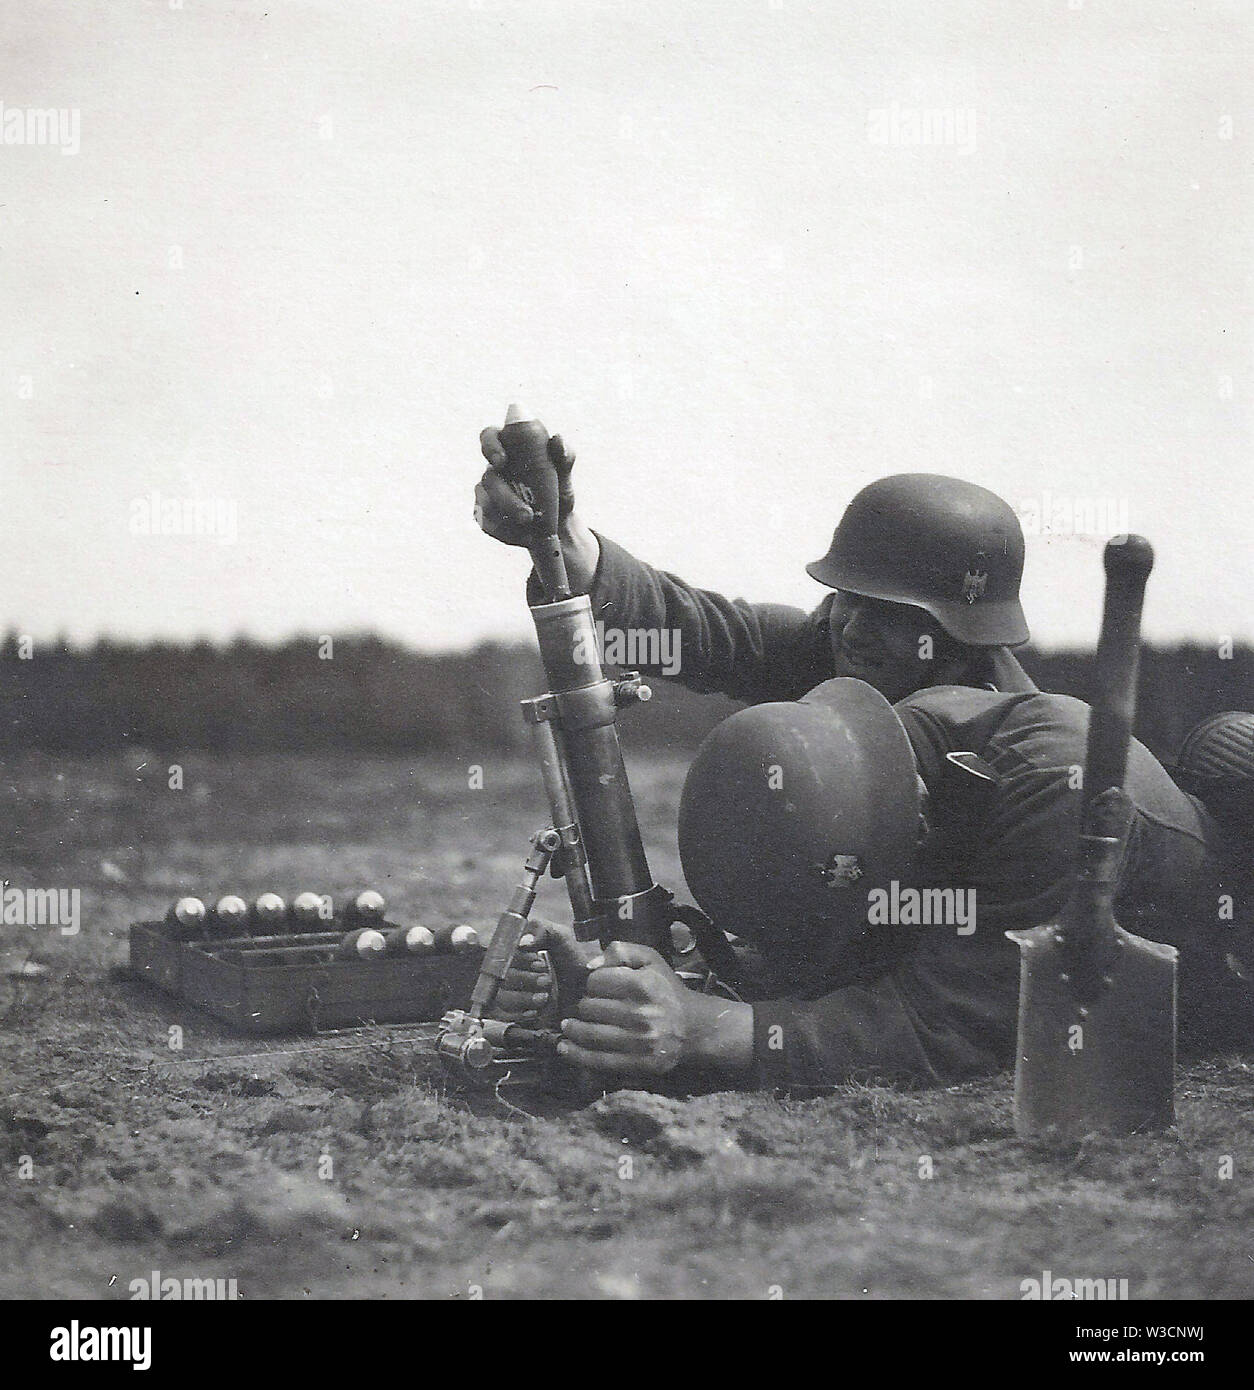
792	812
1216	763
940	544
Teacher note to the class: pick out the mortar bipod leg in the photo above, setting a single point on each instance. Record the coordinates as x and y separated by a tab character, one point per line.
572	858
512	923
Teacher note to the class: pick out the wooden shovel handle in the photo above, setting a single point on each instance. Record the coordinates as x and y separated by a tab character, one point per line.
1128	561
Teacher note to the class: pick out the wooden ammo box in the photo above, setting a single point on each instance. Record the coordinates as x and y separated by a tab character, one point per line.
303	987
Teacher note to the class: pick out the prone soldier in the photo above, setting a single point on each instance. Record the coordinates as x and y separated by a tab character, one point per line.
896	711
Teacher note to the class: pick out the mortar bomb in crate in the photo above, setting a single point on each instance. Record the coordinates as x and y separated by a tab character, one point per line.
273	966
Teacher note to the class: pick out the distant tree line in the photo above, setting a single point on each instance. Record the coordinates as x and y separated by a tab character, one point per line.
373	695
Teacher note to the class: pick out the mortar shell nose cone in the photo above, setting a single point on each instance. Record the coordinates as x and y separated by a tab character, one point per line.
516	414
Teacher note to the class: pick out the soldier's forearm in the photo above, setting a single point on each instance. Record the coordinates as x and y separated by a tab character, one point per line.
719	1037
581	551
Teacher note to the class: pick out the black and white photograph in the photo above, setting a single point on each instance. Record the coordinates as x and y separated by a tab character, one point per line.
626	664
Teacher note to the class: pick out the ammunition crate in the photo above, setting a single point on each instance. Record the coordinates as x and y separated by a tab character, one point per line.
255	990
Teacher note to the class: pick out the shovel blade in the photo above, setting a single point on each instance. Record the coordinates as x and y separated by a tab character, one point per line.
1099	1060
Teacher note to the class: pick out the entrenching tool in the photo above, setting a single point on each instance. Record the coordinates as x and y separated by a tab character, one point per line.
1097	1005
593	842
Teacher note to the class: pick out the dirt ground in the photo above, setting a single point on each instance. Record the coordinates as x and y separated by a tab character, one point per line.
345	1168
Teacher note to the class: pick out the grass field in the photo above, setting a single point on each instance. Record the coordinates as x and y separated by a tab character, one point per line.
212	1162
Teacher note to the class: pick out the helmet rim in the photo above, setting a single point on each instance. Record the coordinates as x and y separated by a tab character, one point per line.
995	623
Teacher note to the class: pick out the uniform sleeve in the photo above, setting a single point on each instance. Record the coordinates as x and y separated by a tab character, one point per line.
861	1032
748	651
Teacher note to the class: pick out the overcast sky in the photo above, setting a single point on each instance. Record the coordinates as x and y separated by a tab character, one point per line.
305	251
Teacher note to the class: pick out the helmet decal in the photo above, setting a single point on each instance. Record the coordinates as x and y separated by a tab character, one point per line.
975	580
841	870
